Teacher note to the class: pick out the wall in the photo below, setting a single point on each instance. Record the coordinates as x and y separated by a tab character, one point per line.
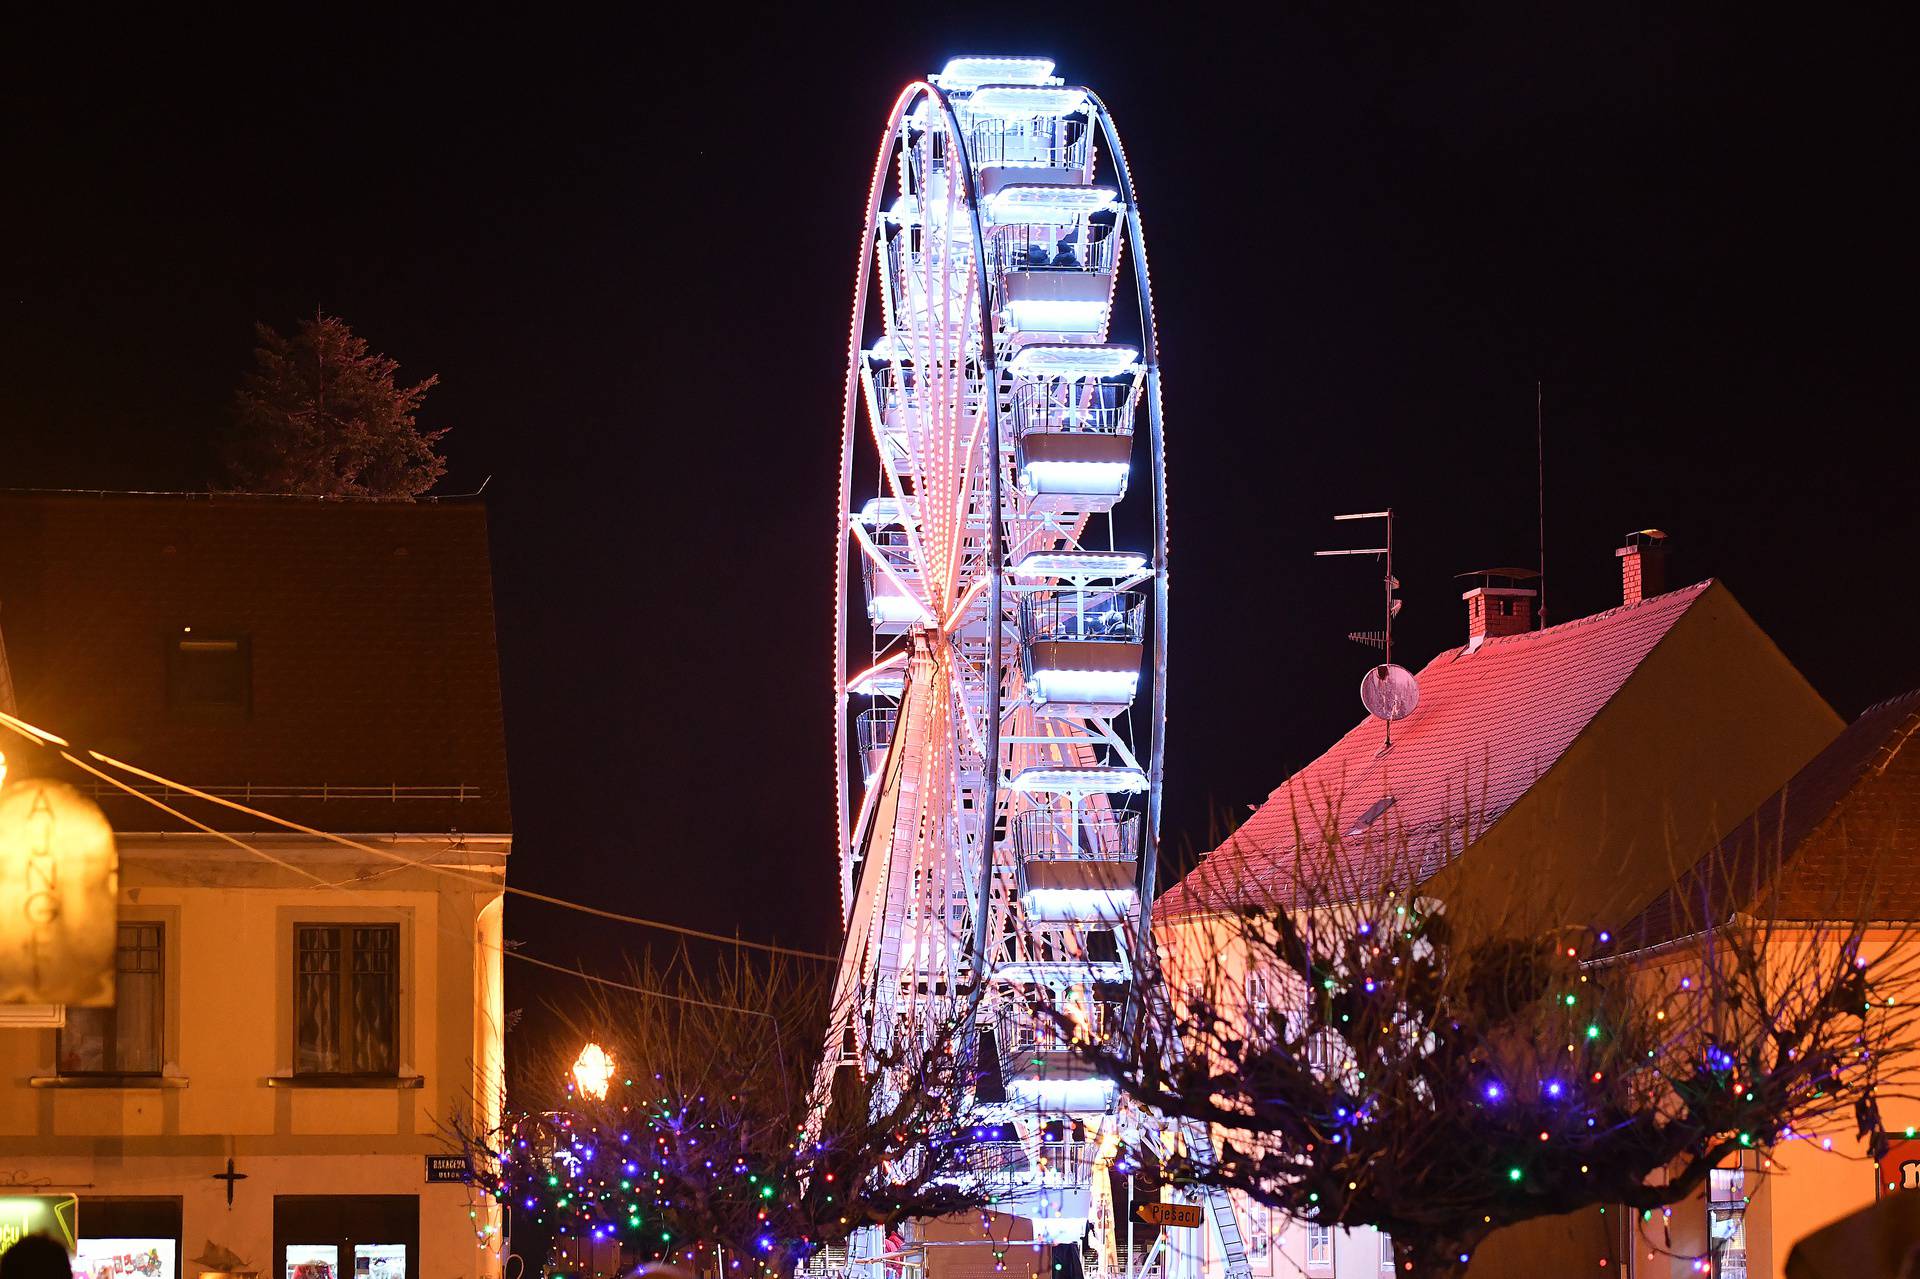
229	1031
1713	722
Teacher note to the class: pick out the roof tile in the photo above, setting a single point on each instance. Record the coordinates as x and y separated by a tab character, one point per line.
1490	722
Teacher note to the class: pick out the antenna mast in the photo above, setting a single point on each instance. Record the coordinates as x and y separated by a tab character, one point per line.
1540	477
1395	696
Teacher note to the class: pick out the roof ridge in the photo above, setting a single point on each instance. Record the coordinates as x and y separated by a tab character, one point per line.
1889	749
204	495
1507	641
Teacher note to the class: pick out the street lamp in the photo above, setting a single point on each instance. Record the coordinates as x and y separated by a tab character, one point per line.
593	1071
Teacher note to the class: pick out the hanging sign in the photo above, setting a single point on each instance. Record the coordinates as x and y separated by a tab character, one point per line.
59	895
1182	1215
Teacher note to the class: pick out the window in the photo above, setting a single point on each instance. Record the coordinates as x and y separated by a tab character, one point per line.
1371	816
209	672
123	1039
1320	1249
1321	1054
1727	1221
346	999
1259	1006
1386	1253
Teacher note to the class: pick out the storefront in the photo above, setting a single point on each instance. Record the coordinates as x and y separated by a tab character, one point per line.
128	1238
346	1236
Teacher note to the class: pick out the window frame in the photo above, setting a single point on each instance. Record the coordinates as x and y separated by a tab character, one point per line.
346	952
111	1066
1322	1265
180	704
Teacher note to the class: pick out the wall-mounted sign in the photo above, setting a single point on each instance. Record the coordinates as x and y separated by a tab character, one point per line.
59	894
448	1168
56	1216
1899	1168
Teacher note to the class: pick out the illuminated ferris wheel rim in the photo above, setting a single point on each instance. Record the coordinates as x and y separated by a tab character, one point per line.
912	100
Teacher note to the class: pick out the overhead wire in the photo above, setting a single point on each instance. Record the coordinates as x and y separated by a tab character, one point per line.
42	737
244	846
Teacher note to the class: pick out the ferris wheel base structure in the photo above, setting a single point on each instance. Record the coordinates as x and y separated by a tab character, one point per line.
1001	625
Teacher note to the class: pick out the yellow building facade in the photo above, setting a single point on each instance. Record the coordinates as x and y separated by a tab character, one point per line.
307	1021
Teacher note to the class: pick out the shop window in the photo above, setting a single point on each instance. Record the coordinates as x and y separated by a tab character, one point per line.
346	1236
1727	1221
134	1237
346	991
124	1039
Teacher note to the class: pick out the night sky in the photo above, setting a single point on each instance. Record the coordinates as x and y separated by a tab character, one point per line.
627	251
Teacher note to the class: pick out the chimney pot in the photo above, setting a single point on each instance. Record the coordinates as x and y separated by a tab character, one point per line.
1498	604
1643	565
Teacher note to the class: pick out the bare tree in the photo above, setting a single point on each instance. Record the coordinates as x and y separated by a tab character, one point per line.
322	414
711	1140
1364	1057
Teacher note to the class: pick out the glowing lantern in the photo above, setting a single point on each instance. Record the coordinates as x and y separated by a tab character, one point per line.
59	893
593	1071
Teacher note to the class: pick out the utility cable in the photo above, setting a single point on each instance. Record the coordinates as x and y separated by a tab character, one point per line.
42	737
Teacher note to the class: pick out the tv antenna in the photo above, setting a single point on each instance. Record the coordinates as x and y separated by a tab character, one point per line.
1388	692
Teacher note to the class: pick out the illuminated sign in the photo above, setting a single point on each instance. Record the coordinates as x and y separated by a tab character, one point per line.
59	893
56	1216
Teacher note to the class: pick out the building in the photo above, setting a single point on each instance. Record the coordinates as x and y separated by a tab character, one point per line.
301	1024
1591	756
1839	843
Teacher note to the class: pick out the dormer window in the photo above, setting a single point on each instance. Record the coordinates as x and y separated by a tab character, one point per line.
209	672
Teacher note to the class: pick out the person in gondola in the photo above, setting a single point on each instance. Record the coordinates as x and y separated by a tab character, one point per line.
1066	253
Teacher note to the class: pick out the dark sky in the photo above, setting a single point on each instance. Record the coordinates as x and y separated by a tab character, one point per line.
627	249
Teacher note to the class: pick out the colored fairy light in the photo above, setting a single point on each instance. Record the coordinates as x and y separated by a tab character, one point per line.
1493	1092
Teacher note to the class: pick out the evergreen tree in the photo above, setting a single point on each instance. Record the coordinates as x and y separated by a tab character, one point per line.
322	414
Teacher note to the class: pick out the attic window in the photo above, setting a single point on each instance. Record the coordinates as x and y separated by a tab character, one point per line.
209	672
1371	816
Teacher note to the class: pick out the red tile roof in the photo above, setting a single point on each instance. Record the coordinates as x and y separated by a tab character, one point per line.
1490	722
373	663
1845	831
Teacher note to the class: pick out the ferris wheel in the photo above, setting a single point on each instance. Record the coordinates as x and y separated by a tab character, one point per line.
1001	611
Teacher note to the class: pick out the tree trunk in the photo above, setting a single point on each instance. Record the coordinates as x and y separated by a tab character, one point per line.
1434	1256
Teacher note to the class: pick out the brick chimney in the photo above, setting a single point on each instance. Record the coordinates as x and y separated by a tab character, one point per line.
1643	565
1498	604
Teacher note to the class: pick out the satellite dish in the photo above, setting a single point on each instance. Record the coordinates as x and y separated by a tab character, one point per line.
1389	692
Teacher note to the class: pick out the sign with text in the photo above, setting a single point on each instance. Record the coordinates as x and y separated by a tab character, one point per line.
1185	1216
56	1216
1899	1168
448	1168
59	896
